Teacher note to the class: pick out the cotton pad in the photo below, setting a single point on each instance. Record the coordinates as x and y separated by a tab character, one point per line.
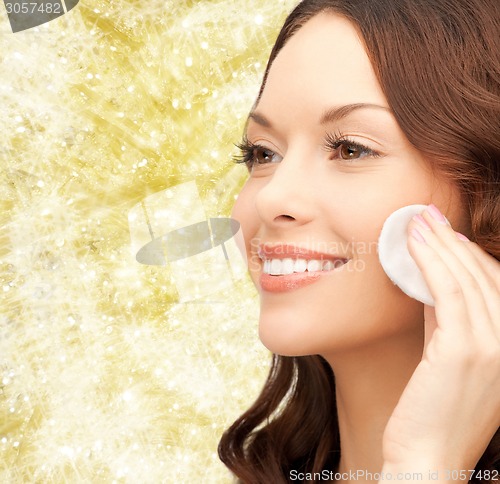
395	258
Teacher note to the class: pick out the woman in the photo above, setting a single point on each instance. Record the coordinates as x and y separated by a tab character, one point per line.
368	106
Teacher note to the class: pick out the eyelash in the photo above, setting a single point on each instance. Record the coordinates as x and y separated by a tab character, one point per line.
333	141
247	152
336	140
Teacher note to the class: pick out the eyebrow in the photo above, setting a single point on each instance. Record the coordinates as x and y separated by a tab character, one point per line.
330	115
340	112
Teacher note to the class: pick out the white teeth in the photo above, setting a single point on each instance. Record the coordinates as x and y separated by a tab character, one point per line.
278	267
314	265
328	265
300	265
288	266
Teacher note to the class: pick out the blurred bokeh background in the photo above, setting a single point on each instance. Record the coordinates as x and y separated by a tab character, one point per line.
106	374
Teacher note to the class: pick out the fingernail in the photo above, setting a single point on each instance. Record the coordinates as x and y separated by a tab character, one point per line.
436	214
461	237
417	235
421	221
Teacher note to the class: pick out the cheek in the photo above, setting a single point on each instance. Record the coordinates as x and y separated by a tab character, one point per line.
244	212
362	220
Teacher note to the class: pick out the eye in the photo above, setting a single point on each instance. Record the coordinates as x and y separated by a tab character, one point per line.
263	155
254	155
349	152
346	149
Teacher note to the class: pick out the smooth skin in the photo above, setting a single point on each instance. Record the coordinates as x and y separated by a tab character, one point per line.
417	388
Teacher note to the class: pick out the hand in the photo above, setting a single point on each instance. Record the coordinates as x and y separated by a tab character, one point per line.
450	409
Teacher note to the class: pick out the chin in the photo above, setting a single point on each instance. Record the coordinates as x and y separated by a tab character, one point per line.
290	333
287	337
284	342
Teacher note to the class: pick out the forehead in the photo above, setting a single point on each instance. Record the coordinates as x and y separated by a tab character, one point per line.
324	63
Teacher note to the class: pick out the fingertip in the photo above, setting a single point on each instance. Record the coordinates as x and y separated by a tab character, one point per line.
420	221
417	235
461	237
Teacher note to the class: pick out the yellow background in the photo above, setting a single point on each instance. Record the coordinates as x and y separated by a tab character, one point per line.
105	376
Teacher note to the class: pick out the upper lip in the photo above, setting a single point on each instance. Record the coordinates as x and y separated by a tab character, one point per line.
289	251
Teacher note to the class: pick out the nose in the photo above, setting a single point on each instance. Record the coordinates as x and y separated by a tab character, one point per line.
288	197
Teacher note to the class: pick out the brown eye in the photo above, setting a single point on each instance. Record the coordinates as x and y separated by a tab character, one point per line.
349	152
346	150
263	156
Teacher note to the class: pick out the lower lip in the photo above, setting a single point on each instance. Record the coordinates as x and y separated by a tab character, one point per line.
290	282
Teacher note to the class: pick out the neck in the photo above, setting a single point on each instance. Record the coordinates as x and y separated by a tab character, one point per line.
369	382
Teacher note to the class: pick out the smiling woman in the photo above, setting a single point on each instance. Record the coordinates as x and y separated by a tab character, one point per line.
368	106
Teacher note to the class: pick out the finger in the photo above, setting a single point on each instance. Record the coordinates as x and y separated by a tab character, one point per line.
459	246
456	270
455	318
488	263
491	283
465	265
450	305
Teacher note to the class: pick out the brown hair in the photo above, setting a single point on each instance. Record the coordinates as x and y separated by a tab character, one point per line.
438	64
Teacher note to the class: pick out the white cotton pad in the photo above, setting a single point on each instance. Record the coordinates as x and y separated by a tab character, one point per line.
395	258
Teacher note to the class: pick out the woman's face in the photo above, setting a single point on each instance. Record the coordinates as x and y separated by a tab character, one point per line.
330	164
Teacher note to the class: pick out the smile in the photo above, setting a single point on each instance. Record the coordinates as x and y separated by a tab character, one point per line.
286	267
281	267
